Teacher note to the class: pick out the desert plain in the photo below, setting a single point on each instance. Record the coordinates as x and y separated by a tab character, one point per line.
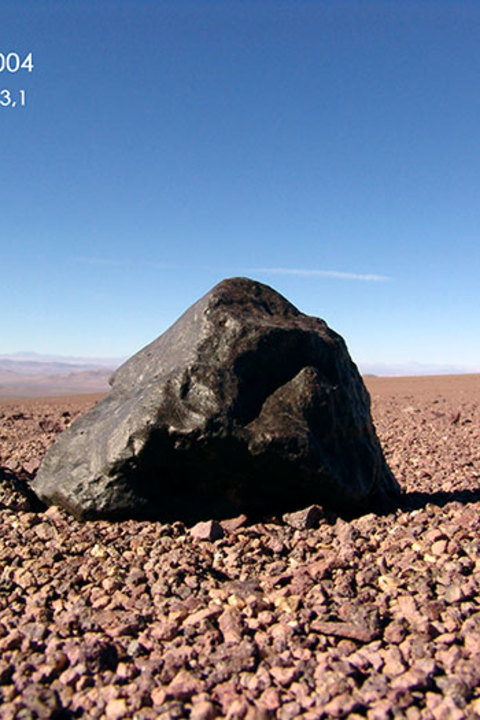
373	617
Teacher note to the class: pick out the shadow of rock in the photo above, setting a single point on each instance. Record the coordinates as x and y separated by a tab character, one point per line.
16	493
419	500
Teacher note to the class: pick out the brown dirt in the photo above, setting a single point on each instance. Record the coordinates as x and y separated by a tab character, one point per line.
378	617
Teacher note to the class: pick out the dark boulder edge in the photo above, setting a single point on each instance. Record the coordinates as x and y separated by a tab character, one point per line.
244	404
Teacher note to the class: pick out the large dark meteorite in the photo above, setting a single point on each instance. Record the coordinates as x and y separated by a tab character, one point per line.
244	404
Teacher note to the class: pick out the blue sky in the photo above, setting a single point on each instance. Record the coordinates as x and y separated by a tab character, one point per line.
329	149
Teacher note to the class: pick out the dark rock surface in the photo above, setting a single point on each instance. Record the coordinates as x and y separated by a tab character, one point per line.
245	404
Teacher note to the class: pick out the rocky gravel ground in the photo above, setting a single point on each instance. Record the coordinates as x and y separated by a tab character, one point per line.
310	616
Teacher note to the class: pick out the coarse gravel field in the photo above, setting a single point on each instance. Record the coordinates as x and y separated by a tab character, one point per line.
376	617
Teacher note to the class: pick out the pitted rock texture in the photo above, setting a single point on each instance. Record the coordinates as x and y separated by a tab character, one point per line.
244	405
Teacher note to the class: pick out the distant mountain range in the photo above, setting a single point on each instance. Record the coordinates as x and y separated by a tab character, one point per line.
415	368
30	374
63	359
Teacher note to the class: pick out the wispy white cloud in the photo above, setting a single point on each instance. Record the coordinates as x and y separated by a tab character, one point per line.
298	272
301	272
